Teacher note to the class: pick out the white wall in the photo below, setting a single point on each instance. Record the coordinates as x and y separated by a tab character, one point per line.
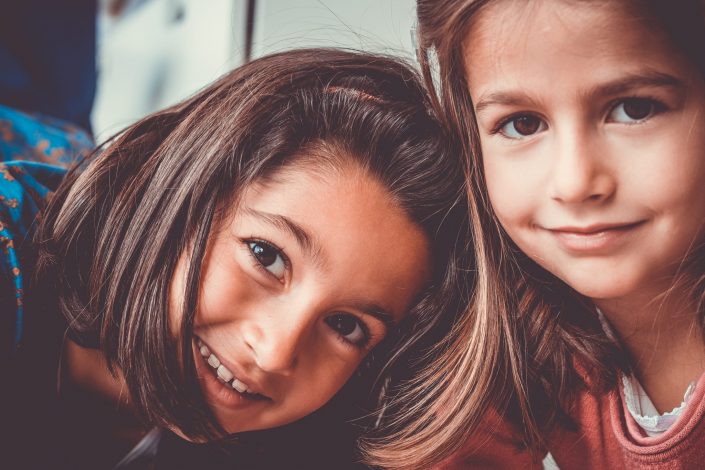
150	58
372	25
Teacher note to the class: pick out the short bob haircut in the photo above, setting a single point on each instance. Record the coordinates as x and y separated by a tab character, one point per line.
112	234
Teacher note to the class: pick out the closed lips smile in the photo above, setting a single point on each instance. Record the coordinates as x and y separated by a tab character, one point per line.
594	230
594	239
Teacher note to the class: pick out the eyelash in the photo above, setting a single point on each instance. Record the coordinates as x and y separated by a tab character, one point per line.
497	128
365	329
659	108
258	264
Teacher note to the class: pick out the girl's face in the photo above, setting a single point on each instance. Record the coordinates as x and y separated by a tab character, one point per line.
592	126
298	286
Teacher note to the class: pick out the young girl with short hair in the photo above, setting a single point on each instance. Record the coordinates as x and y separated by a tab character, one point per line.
225	266
584	127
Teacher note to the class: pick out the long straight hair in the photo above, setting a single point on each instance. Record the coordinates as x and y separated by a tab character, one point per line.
528	343
113	233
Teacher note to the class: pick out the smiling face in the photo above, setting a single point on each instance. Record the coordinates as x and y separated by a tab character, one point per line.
298	286
592	128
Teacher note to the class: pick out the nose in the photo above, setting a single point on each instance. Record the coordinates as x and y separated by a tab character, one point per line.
580	169
277	339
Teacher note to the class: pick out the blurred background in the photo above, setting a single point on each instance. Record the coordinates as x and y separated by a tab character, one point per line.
152	53
102	64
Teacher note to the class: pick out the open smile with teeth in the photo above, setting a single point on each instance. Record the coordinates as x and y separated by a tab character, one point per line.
224	375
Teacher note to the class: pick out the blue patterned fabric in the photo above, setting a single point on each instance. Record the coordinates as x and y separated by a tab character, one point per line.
41	139
34	155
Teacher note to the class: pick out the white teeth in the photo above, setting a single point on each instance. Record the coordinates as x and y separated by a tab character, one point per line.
213	361
239	386
224	373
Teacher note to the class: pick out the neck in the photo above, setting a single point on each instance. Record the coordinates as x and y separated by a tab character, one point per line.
662	335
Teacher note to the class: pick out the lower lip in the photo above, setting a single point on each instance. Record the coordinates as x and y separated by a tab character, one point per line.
595	241
214	390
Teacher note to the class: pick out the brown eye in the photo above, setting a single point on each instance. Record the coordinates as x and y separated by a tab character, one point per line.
638	109
633	110
269	257
265	254
522	126
527	125
349	327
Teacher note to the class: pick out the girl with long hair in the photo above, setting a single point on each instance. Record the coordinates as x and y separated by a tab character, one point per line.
234	270
583	126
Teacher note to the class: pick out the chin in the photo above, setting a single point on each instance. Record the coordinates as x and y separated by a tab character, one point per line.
601	287
597	293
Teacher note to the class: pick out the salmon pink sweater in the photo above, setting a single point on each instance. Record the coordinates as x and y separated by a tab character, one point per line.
607	437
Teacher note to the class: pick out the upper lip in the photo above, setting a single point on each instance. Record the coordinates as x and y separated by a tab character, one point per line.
237	371
594	228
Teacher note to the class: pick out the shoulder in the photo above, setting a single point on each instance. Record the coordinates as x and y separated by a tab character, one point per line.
496	444
34	154
24	189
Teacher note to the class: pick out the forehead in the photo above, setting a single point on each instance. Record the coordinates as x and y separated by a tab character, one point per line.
523	43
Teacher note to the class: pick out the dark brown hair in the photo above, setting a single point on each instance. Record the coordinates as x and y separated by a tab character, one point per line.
516	348
114	232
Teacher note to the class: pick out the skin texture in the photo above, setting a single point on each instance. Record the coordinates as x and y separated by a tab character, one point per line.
592	127
270	323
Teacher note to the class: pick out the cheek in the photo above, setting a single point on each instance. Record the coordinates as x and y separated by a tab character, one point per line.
509	191
669	174
678	168
227	291
327	375
678	201
223	282
332	380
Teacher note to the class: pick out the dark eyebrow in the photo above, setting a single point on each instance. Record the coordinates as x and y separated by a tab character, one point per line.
305	240
376	311
505	98
625	84
616	87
